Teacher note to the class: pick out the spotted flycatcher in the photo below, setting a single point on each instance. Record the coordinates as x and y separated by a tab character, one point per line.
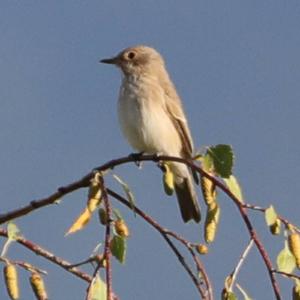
152	117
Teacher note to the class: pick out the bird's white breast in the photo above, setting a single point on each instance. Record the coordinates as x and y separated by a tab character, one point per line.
143	118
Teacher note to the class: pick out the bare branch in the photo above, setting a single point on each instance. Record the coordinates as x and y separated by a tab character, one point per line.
49	256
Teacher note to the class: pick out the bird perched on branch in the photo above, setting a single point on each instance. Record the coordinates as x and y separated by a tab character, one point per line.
152	118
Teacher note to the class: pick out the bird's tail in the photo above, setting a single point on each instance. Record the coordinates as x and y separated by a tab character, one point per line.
187	199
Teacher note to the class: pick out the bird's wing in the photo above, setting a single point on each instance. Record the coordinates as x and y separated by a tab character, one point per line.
174	109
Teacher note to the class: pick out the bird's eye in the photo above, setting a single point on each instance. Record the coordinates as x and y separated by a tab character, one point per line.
131	55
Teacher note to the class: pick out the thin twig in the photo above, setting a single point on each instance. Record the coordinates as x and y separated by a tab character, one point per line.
287	274
49	256
23	264
107	251
164	232
263	209
240	263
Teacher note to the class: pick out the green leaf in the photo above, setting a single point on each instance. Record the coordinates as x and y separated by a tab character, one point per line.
245	295
270	215
97	289
118	248
13	232
222	156
285	260
117	214
127	191
234	187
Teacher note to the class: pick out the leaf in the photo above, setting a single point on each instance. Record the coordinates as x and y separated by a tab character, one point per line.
272	220
127	191
222	156
118	248
96	250
270	215
81	222
13	232
97	290
95	190
245	295
234	187
285	260
117	213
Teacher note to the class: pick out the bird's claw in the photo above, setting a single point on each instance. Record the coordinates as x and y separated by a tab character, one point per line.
136	158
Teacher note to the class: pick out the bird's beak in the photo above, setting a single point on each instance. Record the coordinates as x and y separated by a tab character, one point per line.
111	61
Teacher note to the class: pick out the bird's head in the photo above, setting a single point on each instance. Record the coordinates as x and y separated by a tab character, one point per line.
137	60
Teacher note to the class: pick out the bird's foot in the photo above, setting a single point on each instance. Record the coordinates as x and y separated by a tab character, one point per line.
160	163
136	158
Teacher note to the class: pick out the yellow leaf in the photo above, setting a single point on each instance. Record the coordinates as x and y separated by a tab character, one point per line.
285	260
97	289
80	222
93	202
95	191
272	220
270	215
234	187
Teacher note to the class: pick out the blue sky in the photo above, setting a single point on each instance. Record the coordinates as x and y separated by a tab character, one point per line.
236	66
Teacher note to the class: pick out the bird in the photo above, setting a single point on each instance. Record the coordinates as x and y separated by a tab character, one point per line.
152	118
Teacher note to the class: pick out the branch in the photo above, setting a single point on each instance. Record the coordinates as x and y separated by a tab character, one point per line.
49	256
107	252
84	182
282	219
165	232
287	274
24	265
